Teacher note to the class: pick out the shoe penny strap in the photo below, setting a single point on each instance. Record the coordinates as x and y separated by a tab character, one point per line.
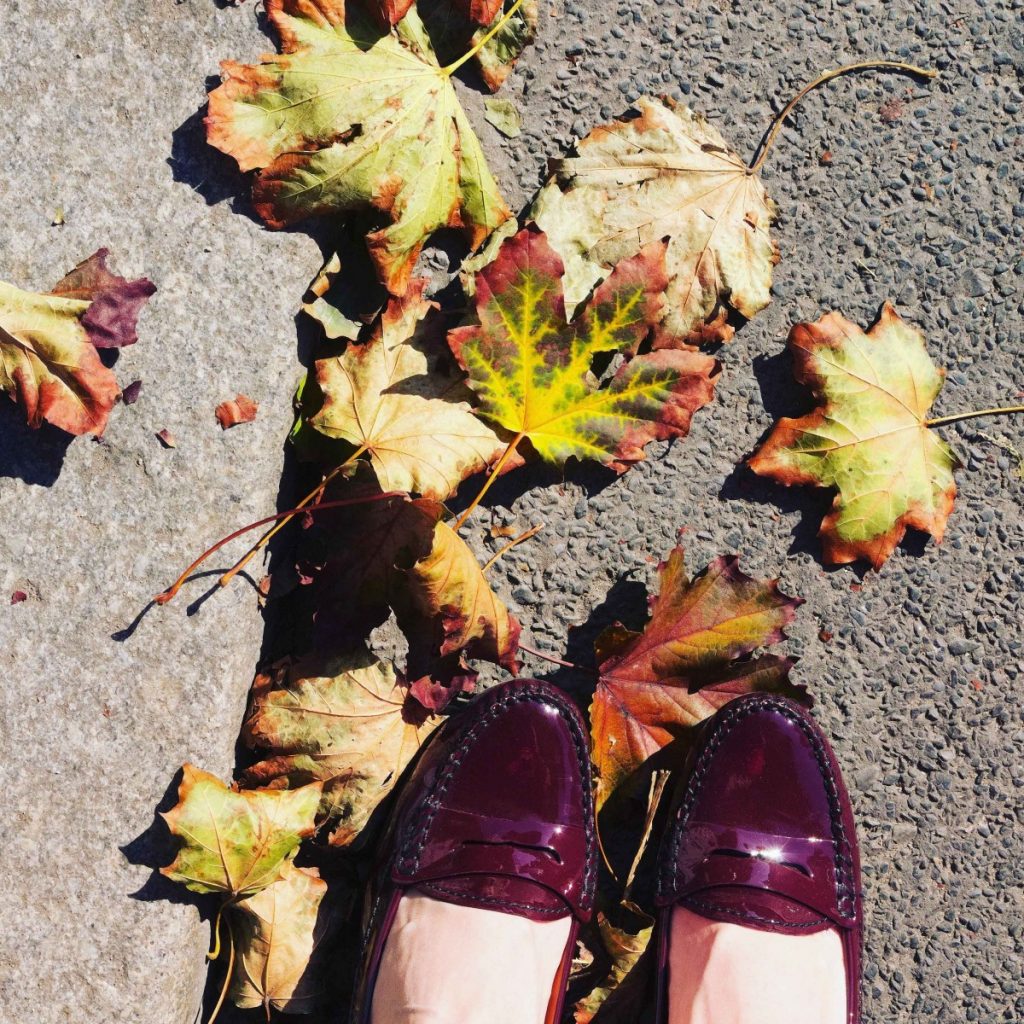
452	843
711	856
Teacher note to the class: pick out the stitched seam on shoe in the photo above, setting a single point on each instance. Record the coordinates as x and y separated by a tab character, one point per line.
846	903
408	861
751	915
493	900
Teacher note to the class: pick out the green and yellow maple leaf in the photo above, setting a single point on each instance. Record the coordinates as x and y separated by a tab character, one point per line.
48	342
236	842
395	397
869	438
532	370
277	933
685	664
349	117
347	724
666	173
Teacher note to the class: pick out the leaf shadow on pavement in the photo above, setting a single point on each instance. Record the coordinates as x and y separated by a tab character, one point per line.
625	602
35	456
207	171
154	847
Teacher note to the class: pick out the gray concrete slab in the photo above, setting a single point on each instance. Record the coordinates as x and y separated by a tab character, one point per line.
918	669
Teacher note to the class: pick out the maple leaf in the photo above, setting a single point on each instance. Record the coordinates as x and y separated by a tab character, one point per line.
409	560
350	727
530	367
688	661
348	118
624	950
395	397
666	173
235	843
48	358
278	932
868	438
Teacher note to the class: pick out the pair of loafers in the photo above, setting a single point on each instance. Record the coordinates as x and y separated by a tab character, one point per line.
498	814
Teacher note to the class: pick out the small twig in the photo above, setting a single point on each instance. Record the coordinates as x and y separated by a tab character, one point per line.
169	593
266	538
654	795
555	660
227	975
532	532
776	127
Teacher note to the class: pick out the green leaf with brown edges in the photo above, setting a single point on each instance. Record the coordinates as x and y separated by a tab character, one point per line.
347	724
533	370
48	359
868	439
690	659
351	118
235	842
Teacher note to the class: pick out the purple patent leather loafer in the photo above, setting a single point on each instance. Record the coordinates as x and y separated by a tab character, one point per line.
498	814
762	835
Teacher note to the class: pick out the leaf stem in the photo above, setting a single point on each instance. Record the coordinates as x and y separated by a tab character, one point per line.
168	594
891	65
495	470
268	536
215	952
227	975
492	32
1006	410
554	660
532	532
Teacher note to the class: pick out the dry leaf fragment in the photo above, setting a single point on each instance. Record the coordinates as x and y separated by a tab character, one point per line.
891	110
130	394
166	438
18	596
240	409
666	173
504	115
334	322
688	661
235	843
399	397
531	368
868	438
347	724
278	933
346	119
624	950
48	358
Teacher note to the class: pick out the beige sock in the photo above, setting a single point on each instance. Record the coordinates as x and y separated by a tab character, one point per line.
728	974
445	964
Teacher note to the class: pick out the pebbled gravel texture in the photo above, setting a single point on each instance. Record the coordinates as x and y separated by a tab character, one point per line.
918	669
